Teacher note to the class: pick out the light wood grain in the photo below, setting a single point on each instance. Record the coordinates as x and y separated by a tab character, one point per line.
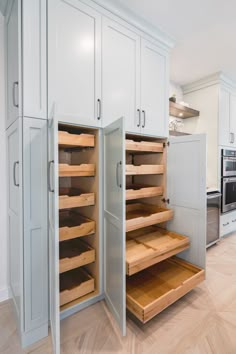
144	170
73	225
68	140
74	198
142	191
143	146
83	170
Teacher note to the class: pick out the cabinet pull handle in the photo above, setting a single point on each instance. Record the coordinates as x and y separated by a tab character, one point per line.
234	220
14	173
226	224
15	85
118	183
99	108
144	118
139	117
231	138
49	177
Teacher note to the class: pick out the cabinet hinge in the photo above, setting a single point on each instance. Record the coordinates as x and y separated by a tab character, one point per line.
166	144
166	200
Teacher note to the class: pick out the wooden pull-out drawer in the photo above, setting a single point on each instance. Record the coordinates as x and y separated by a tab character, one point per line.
150	246
74	198
140	215
143	146
74	254
132	170
68	140
75	284
83	170
73	225
137	191
149	292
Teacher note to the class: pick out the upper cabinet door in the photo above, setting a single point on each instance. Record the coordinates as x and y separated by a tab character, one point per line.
186	186
74	62
154	89
225	135
120	75
233	119
114	221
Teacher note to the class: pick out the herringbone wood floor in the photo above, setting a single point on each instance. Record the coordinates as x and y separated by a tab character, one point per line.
202	322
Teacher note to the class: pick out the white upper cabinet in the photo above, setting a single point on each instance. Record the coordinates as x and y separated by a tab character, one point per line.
74	62
233	118
120	75
154	96
227	118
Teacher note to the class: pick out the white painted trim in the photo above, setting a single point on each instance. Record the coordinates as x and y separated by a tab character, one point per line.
4	294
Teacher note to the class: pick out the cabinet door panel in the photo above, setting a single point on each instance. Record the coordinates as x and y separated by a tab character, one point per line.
233	118
224	118
186	186
114	221
120	75
74	61
154	94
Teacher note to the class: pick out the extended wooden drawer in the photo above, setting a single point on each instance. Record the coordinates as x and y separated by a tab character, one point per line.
68	140
152	290
73	225
152	245
75	253
83	170
143	146
75	284
137	191
132	170
74	198
140	215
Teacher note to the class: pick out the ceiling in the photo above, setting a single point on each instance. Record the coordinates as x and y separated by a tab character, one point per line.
204	31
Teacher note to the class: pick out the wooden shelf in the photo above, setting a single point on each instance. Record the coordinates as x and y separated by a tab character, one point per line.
151	291
74	198
68	140
137	191
85	170
150	246
132	170
180	111
74	254
143	146
140	215
75	284
73	225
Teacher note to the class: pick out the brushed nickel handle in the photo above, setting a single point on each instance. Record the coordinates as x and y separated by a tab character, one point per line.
144	118
231	139
49	177
139	117
15	85
226	224
14	173
118	182
99	109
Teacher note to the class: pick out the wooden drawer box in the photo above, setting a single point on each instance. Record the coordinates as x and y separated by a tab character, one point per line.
152	290
141	191
75	253
143	146
75	284
132	170
74	198
83	170
68	140
152	245
73	225
140	215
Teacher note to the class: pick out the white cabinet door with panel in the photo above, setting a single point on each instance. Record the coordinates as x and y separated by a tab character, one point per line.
225	136
186	188
74	62
120	75
232	132
154	90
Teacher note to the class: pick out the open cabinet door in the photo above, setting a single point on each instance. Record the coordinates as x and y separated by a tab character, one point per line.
186	188
53	235
114	221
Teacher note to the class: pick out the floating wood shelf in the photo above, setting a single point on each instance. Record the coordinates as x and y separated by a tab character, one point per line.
143	146
180	111
75	284
85	170
140	215
152	290
74	198
74	254
150	246
68	140
137	191
73	225
132	170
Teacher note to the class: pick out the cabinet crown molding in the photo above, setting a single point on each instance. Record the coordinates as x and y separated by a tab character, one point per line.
218	78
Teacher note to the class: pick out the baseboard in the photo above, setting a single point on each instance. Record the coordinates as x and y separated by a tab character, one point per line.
4	294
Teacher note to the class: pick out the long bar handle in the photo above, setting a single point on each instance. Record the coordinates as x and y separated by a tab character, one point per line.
144	119
49	177
99	109
15	85
118	183
139	118
14	173
231	138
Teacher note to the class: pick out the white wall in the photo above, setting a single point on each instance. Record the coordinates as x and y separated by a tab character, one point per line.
3	199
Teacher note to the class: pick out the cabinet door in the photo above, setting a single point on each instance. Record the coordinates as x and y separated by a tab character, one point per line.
225	136
12	62
35	223
186	186
114	221
120	75
233	119
14	165
154	90
74	64
53	234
